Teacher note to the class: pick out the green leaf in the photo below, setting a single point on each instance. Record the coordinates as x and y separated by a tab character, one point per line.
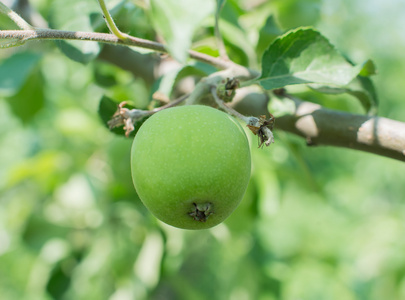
220	4
236	36
176	21
198	69
304	56
368	69
75	16
10	42
361	87
105	75
268	33
82	52
30	99
165	84
6	23
106	110
295	13
14	71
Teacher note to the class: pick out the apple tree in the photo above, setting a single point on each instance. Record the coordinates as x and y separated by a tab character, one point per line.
275	126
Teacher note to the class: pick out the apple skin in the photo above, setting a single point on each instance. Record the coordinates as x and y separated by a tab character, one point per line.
191	165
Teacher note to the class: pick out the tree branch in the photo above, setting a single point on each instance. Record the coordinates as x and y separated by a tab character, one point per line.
320	126
52	34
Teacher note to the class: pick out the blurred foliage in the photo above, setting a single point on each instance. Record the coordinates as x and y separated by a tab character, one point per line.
316	223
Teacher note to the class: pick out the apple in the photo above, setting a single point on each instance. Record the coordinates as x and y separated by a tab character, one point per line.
191	165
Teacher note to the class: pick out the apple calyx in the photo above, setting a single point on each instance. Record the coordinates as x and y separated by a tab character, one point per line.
263	129
127	117
201	211
226	90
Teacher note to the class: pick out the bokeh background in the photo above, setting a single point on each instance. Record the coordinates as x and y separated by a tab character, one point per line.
316	223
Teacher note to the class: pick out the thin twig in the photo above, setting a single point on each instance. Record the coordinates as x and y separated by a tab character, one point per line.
228	109
53	34
110	22
171	104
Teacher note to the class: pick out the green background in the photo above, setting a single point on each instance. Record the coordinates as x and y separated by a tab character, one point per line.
316	223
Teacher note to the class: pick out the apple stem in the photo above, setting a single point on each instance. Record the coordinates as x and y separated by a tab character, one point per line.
171	104
225	107
259	126
128	117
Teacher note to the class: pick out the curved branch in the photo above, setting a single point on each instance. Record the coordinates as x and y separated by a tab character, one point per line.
52	34
320	126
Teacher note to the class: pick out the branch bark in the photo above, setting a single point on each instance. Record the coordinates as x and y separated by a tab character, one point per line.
321	126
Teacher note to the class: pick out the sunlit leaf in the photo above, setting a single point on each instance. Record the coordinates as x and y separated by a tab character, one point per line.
361	87
305	56
176	21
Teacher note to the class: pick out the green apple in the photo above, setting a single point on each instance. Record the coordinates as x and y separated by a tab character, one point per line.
191	165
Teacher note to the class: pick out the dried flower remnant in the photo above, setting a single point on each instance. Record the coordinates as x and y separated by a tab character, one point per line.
263	128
